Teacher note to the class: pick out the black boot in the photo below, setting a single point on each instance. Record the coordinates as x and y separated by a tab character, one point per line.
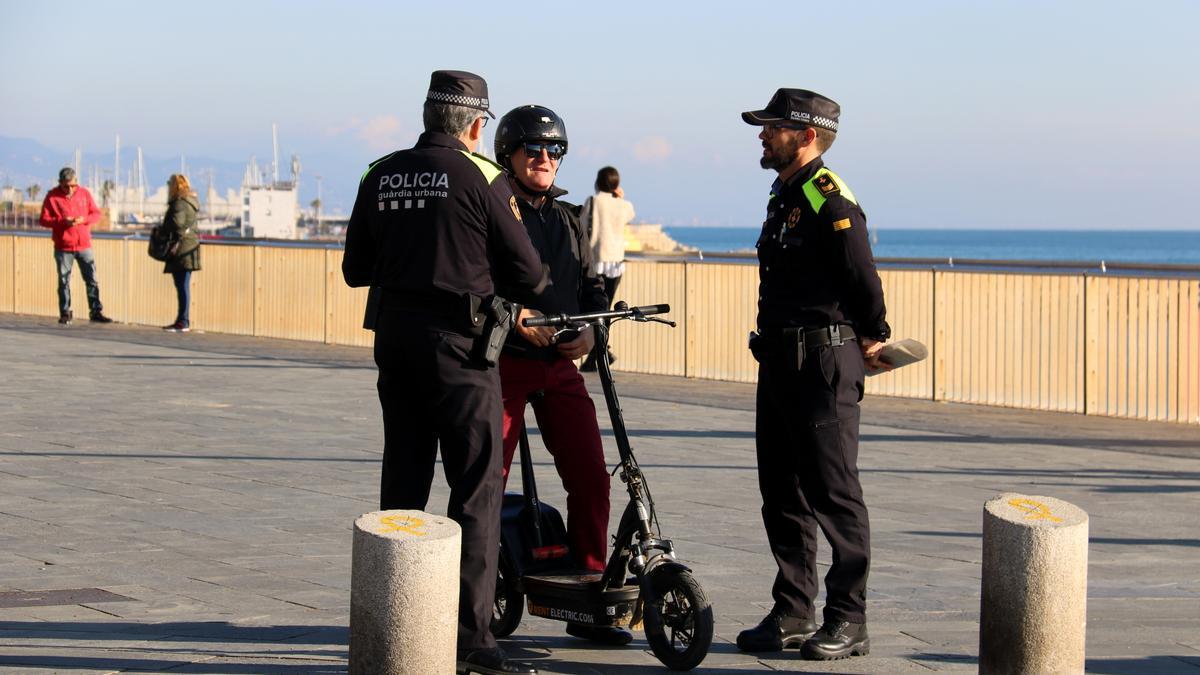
490	662
776	632
605	635
837	640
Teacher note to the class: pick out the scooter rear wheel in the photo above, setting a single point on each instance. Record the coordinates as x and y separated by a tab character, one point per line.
679	619
509	604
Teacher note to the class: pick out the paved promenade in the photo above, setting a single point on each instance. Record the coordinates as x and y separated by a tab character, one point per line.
196	494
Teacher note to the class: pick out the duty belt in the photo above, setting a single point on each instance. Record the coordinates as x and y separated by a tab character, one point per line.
812	338
802	339
794	342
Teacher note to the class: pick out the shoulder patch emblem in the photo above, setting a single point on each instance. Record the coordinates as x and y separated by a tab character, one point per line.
512	204
843	224
826	184
793	218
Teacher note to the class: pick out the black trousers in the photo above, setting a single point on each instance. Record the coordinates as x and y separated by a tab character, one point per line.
806	435
433	395
610	290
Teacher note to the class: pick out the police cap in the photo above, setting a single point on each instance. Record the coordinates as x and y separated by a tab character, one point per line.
799	107
458	87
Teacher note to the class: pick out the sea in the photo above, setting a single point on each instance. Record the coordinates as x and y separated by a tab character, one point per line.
1143	246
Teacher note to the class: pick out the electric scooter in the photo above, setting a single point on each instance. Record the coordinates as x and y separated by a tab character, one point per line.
536	561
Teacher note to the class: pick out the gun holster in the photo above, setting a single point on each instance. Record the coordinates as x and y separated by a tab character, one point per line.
757	345
794	339
374	305
791	340
494	317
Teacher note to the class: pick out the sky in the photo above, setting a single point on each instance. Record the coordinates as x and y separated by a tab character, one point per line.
989	114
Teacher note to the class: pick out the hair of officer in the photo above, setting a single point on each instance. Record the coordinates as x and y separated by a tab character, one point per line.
67	174
453	120
607	180
824	139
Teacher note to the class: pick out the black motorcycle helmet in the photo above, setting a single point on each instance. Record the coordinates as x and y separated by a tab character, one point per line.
527	123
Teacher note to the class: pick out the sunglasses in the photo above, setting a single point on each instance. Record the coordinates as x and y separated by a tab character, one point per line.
553	150
772	129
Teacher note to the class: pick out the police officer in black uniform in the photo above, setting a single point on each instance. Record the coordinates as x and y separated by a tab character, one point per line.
434	228
820	324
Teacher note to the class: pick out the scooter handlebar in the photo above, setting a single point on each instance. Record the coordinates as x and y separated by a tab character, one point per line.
622	311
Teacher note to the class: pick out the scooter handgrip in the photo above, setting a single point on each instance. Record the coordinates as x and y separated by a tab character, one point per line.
647	310
548	320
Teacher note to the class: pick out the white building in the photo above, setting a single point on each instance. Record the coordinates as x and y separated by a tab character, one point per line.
14	195
270	211
136	207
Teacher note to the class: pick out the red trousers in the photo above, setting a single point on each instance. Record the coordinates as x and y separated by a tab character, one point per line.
566	417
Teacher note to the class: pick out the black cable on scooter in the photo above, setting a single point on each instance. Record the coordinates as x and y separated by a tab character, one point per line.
637	467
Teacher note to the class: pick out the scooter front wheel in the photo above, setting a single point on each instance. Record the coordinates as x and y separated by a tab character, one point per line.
678	619
509	604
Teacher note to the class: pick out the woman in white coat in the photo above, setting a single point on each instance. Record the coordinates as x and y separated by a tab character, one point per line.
605	215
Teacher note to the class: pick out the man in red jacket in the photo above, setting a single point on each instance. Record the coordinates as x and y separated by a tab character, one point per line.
70	212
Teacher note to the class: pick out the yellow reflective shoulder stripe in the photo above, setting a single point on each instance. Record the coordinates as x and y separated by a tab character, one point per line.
373	165
814	195
842	187
487	167
817	199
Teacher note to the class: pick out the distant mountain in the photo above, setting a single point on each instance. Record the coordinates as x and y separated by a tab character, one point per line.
24	161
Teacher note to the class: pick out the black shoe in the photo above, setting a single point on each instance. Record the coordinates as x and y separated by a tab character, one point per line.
776	632
490	662
837	640
605	635
65	318
177	327
98	317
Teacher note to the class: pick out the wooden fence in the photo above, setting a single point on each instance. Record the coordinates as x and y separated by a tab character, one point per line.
1123	346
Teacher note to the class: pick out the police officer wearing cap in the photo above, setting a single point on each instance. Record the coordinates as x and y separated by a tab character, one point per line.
433	229
820	324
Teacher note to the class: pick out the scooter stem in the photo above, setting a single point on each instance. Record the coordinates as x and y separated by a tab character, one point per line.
604	369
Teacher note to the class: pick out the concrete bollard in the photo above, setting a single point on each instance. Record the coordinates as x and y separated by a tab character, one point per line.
1033	610
404	593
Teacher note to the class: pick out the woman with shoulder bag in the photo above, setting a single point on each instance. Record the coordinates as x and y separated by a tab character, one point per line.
182	207
605	215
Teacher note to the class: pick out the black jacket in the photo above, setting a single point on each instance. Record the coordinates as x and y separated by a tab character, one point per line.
815	264
562	243
438	222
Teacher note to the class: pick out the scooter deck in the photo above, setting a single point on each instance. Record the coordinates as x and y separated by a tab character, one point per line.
566	581
579	598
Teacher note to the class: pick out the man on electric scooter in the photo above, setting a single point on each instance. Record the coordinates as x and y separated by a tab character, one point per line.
530	142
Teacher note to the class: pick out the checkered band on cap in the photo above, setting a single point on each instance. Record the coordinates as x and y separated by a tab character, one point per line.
825	122
458	99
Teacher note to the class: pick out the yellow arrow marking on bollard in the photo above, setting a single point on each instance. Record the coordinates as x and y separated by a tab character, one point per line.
1036	510
403	524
